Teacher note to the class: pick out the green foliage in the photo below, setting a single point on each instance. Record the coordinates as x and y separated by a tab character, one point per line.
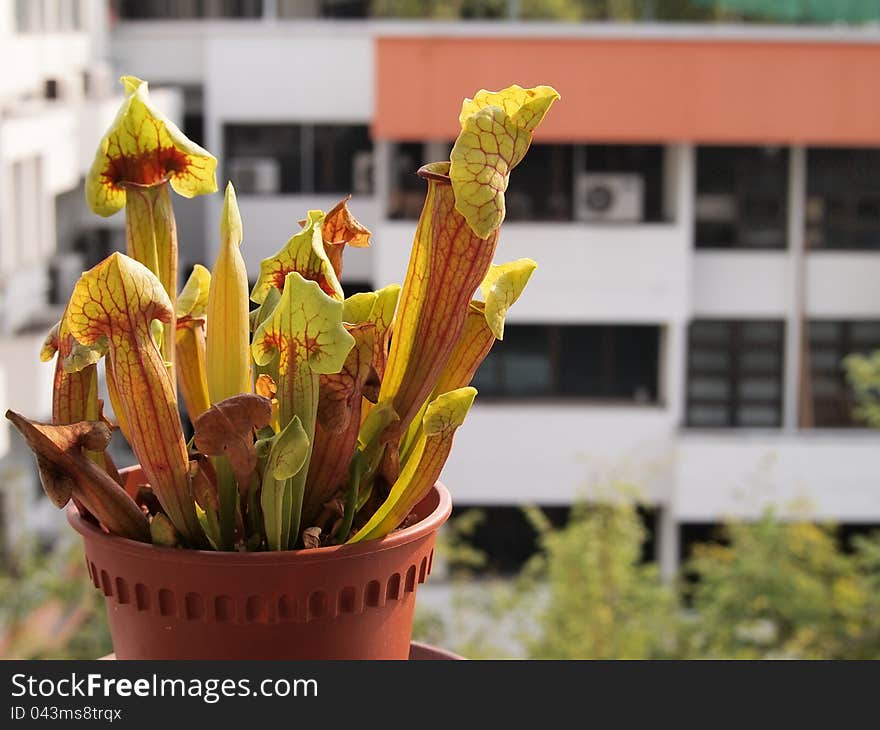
602	601
553	10
785	590
863	374
49	608
762	590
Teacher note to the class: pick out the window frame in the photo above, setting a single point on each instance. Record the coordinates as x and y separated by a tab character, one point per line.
744	186
844	344
306	152
856	188
735	343
500	390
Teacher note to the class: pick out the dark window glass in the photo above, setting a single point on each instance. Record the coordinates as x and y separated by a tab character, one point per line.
264	158
324	9
573	361
522	367
343	161
541	185
735	374
407	193
843	198
506	538
356	286
742	195
345	8
830	342
293	158
194	114
187	9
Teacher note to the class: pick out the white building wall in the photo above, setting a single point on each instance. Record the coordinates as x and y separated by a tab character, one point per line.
843	285
585	273
827	476
741	284
42	143
555	453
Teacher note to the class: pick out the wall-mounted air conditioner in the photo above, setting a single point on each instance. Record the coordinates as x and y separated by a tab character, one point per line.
362	173
716	207
255	175
609	196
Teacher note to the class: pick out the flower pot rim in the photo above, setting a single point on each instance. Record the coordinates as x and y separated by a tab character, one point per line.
424	527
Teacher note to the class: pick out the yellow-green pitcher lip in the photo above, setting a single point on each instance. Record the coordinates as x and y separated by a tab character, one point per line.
437	171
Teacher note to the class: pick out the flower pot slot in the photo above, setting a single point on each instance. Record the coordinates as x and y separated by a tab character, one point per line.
346	602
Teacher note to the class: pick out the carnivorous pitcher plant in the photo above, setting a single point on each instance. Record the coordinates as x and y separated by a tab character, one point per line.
317	419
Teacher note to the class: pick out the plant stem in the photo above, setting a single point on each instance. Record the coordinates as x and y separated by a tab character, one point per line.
227	493
356	470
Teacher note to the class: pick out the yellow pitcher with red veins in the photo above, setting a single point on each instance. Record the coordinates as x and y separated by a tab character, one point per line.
139	157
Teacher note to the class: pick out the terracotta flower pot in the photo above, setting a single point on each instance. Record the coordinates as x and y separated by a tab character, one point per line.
346	602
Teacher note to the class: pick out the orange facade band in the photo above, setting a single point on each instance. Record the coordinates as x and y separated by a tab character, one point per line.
629	90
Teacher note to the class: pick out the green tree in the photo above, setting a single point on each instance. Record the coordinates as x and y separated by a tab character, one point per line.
863	374
783	590
49	608
769	589
602	601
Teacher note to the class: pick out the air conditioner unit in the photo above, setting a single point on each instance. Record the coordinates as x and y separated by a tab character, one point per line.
716	208
255	175
362	173
611	196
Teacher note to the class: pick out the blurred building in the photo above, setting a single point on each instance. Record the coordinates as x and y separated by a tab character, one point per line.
704	207
57	97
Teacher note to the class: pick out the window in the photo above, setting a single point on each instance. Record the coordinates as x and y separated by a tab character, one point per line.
28	16
26	243
830	343
270	159
343	159
843	199
48	16
503	535
506	538
735	374
194	113
356	286
540	186
324	9
573	361
407	189
742	197
70	15
187	9
549	184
